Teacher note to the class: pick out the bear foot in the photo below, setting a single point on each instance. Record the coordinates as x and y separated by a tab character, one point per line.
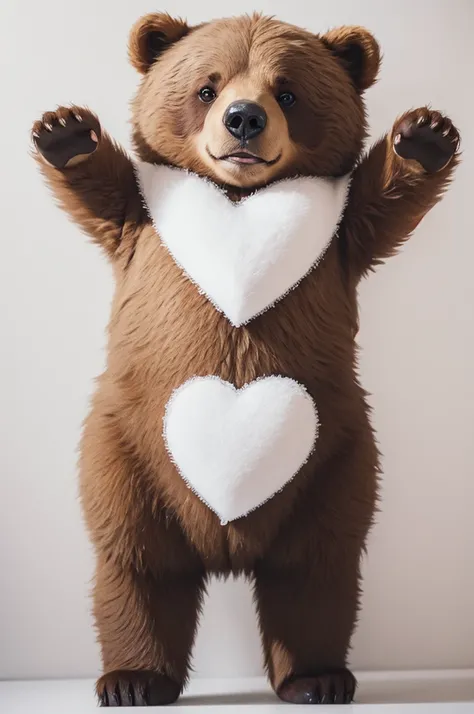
128	688
427	137
67	136
327	687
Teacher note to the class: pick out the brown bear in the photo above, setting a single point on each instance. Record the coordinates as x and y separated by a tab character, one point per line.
244	102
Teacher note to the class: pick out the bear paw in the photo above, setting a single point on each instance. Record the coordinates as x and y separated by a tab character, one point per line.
330	687
426	136
130	688
67	136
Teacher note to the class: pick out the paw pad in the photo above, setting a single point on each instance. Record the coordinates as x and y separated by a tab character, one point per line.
427	137
65	135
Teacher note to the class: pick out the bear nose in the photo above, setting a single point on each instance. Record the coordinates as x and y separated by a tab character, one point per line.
244	120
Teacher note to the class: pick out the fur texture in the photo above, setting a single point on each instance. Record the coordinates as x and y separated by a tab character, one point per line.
244	257
236	448
156	542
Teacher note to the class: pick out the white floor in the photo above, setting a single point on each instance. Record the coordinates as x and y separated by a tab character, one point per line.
387	693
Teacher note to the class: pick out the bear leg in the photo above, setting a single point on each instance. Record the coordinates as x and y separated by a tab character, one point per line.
146	625
307	585
306	620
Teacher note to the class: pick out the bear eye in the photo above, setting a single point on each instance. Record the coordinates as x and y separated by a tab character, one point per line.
286	99
207	94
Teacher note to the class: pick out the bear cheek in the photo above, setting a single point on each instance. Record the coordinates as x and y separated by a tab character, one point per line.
213	133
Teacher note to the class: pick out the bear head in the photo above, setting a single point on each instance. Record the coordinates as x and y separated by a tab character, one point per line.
249	100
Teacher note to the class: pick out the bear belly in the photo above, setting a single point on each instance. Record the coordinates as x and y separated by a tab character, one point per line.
163	333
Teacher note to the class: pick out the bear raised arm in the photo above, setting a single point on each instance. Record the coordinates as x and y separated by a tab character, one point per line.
396	184
229	433
91	176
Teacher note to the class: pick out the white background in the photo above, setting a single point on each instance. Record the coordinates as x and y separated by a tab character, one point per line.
417	335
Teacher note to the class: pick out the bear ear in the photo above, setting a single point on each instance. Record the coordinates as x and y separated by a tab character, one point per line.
151	35
358	51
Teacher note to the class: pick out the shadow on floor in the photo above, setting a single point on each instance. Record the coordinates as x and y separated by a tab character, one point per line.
456	690
214	700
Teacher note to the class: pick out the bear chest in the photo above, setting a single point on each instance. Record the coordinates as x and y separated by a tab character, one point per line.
238	427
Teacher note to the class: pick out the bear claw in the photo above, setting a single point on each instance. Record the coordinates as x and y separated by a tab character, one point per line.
427	137
66	136
136	688
329	687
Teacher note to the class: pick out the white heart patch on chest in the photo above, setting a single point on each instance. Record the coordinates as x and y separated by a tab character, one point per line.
243	256
236	448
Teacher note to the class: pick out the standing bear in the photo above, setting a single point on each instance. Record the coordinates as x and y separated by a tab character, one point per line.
229	433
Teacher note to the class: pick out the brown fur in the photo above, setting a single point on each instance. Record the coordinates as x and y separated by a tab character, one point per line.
156	542
257	56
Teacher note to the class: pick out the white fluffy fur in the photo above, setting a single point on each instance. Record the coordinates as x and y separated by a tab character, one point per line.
237	448
244	257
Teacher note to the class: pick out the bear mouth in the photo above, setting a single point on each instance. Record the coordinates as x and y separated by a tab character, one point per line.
244	158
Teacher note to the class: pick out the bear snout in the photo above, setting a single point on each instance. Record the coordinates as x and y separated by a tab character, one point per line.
244	119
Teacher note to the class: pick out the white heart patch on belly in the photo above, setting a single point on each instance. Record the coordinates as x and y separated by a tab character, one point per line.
236	448
243	256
